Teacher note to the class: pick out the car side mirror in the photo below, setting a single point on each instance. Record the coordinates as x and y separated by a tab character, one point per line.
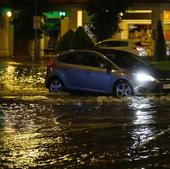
109	68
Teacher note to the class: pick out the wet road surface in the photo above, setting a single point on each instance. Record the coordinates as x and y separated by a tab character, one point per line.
42	130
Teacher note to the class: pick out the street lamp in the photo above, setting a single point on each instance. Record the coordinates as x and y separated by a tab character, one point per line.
62	14
9	14
36	26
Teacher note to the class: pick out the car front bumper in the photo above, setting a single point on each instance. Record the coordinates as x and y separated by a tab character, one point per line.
147	87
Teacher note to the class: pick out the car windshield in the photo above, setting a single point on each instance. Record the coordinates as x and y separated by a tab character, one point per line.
125	59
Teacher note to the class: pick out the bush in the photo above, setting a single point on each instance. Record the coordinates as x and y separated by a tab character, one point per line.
65	41
81	40
163	65
160	45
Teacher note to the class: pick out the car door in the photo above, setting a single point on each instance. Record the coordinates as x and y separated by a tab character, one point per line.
95	76
72	72
86	70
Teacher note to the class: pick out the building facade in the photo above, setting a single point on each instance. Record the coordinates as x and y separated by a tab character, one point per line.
138	23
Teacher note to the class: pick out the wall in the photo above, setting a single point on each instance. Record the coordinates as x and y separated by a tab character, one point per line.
6	37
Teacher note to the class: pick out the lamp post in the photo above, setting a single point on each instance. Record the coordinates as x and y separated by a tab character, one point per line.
8	41
36	26
9	14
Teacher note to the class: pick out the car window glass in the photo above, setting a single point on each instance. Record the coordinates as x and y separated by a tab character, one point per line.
101	62
71	58
124	59
118	43
110	56
90	59
87	59
138	43
103	44
66	58
94	60
113	44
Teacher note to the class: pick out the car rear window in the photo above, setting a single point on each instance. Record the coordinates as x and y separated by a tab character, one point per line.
71	58
119	43
138	44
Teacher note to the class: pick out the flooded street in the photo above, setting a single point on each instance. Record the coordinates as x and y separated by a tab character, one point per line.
64	131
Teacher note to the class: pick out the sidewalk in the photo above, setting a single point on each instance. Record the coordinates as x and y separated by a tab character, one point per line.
42	60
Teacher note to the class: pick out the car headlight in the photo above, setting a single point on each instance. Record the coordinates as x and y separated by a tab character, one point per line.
143	77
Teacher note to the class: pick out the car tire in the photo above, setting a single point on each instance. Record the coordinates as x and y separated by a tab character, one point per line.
56	85
122	89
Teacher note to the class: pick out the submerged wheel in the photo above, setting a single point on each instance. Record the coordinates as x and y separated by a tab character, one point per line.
122	89
56	86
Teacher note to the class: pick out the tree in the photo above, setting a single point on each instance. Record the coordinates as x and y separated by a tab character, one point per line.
160	44
75	40
65	41
81	40
23	12
105	16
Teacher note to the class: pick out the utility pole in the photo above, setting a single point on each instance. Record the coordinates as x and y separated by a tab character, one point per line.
36	25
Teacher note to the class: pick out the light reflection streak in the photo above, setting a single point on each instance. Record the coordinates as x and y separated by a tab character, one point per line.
26	138
138	103
143	117
23	79
143	130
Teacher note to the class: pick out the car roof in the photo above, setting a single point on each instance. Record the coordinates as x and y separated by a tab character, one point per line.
118	40
108	50
78	50
115	40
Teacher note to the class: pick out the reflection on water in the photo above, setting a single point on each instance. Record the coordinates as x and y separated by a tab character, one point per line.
143	117
138	103
143	111
25	136
64	131
146	131
17	78
84	132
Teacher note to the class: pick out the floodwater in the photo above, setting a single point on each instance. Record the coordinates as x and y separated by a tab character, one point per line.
17	79
63	131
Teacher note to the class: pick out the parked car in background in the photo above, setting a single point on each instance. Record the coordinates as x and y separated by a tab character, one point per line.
133	63
86	70
168	49
126	45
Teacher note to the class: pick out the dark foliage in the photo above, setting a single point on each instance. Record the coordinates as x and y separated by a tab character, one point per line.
23	12
160	44
65	41
105	16
81	40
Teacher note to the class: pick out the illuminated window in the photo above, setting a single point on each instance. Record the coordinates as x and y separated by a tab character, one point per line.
79	18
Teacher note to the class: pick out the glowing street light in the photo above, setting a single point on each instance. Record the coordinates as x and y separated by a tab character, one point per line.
9	14
62	14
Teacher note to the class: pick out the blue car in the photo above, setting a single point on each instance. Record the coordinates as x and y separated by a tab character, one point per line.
92	71
133	64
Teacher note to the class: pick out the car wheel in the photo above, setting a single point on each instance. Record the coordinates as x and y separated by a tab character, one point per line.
122	89
56	85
